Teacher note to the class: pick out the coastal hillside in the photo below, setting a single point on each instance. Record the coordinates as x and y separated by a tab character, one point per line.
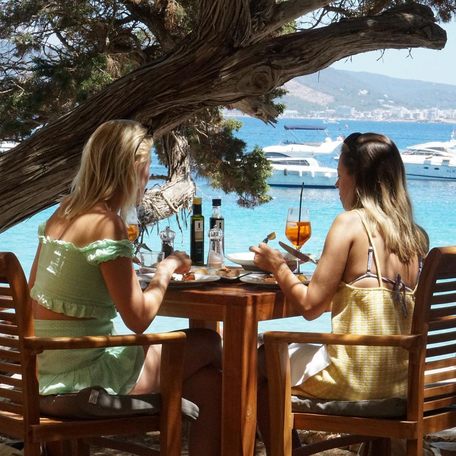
343	91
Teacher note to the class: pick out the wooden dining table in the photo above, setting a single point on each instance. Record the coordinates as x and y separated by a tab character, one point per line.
239	306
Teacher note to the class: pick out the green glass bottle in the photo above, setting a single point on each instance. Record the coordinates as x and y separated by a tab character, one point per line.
197	233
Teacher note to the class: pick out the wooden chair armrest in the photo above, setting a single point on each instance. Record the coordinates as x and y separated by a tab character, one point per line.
408	342
38	344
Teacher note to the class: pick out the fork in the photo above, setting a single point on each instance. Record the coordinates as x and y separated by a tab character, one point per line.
269	237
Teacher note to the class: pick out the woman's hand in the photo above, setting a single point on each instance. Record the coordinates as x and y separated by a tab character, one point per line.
267	258
178	262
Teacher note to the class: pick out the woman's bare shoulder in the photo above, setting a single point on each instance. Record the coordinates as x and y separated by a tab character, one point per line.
90	226
348	220
103	225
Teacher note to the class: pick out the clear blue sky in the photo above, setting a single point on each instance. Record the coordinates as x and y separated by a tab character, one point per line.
423	64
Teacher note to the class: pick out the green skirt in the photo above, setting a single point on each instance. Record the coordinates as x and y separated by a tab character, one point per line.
61	371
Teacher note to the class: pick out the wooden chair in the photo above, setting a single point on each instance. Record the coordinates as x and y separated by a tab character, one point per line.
431	400
20	416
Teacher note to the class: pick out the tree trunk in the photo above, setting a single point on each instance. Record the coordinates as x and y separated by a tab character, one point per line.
222	64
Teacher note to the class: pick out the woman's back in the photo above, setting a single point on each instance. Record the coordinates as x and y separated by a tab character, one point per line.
358	257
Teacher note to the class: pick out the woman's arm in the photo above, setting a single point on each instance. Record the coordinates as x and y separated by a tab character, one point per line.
314	299
136	307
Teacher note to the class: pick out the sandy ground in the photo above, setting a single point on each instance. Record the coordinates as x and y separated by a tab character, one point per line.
439	444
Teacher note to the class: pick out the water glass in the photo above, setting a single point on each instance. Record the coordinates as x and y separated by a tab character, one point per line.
149	260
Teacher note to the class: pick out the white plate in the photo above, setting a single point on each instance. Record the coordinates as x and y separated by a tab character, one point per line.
245	259
266	279
259	279
177	279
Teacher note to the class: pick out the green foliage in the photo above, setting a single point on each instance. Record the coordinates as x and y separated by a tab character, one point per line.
221	157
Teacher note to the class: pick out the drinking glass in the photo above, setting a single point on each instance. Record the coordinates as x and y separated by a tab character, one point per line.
298	228
149	260
131	219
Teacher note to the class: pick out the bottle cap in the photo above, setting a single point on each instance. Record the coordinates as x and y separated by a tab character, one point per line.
216	202
197	200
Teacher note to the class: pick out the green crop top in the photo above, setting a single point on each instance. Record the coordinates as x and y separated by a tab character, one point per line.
68	279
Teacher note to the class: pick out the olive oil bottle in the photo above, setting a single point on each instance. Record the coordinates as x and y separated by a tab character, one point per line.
197	233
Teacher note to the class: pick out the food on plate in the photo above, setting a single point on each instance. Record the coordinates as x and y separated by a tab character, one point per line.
269	279
188	276
202	271
228	272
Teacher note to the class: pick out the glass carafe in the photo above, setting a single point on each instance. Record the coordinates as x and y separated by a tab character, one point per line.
215	253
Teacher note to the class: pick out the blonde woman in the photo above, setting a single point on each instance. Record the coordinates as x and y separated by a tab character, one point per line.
83	277
368	270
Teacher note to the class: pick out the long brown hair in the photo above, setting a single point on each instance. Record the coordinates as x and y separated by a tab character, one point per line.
381	190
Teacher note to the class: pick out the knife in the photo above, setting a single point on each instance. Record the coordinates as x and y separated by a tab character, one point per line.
296	253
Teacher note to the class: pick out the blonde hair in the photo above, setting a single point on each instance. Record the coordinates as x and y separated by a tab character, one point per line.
109	163
380	189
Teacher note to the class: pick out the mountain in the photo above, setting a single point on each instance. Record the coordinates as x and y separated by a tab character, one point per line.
342	91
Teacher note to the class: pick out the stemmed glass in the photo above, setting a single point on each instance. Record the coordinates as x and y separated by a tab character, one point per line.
132	222
298	228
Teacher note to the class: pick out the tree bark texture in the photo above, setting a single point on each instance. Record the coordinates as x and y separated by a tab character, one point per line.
222	63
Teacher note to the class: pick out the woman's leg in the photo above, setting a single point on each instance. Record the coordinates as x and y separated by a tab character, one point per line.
202	385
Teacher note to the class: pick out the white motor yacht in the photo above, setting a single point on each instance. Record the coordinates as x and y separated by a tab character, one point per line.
295	147
294	172
295	162
434	160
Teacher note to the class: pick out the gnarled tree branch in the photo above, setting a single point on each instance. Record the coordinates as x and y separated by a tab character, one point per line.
199	75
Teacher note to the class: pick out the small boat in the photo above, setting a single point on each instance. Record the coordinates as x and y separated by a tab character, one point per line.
7	145
295	147
295	162
294	172
434	160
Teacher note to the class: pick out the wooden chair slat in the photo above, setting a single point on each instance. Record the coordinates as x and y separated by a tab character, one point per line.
442	287
13	381
11	355
439	375
9	329
442	350
439	363
9	342
8	316
6	302
442	323
444	298
11	368
11	408
435	338
442	389
437	312
437	404
5	291
446	276
12	395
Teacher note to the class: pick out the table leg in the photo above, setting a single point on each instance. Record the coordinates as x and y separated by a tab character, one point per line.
214	325
239	393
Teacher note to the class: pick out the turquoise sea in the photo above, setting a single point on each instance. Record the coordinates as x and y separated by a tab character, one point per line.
434	205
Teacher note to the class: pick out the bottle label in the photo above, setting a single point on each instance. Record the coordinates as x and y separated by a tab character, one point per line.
217	223
199	230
